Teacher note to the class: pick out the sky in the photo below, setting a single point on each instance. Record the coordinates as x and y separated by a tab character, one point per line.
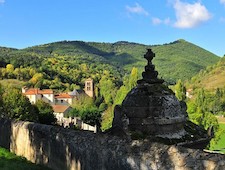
25	23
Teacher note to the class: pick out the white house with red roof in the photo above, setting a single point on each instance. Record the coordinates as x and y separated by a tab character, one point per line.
35	94
64	99
48	96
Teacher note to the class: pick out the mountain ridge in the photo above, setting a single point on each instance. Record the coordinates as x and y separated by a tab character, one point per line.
179	59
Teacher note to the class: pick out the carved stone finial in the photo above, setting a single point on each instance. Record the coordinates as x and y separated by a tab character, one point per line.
150	75
149	56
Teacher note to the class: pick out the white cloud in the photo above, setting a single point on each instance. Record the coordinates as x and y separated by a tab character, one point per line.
137	9
222	2
157	21
190	15
2	1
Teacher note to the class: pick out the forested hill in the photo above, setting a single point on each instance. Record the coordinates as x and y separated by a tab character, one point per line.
176	60
211	78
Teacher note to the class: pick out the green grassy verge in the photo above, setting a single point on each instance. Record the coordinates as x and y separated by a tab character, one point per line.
220	145
9	161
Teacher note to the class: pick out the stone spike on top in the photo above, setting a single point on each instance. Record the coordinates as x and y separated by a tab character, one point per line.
150	75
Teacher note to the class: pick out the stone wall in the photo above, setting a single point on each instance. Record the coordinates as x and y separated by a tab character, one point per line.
60	148
77	122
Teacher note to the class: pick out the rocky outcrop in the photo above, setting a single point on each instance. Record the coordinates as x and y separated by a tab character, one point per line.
60	148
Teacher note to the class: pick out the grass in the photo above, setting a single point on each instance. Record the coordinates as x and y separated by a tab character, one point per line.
221	143
9	161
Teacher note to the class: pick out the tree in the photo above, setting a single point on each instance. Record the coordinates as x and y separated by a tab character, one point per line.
180	90
107	118
120	95
37	77
201	100
83	102
17	106
91	116
9	68
133	78
45	113
208	119
73	113
107	89
17	73
1	101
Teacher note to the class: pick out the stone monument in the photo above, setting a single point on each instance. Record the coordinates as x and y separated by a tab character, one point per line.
151	110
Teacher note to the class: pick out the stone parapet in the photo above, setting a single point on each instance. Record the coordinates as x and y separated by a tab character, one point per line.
60	148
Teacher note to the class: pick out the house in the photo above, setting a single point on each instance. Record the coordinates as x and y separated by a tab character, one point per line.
35	94
60	111
64	99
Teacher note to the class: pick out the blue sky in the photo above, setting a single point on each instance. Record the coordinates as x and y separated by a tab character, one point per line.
25	23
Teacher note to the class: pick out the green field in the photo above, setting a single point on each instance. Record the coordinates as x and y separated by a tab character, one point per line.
9	161
220	145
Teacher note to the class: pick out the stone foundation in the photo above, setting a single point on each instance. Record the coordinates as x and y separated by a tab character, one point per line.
60	148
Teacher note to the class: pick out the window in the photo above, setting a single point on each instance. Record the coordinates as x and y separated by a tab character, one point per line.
61	101
88	86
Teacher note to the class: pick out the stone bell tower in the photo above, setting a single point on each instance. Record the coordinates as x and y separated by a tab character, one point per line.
89	87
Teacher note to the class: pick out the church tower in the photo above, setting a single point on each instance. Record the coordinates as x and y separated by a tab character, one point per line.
89	87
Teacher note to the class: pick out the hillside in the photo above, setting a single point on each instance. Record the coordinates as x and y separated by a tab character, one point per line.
184	59
176	60
211	78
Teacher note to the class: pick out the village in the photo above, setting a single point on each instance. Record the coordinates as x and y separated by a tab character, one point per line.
61	103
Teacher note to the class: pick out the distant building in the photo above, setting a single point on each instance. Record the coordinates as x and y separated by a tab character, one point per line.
89	87
61	103
64	99
35	94
60	111
48	96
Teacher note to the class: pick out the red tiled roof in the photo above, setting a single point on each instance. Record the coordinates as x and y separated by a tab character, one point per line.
63	95
60	108
34	91
46	91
